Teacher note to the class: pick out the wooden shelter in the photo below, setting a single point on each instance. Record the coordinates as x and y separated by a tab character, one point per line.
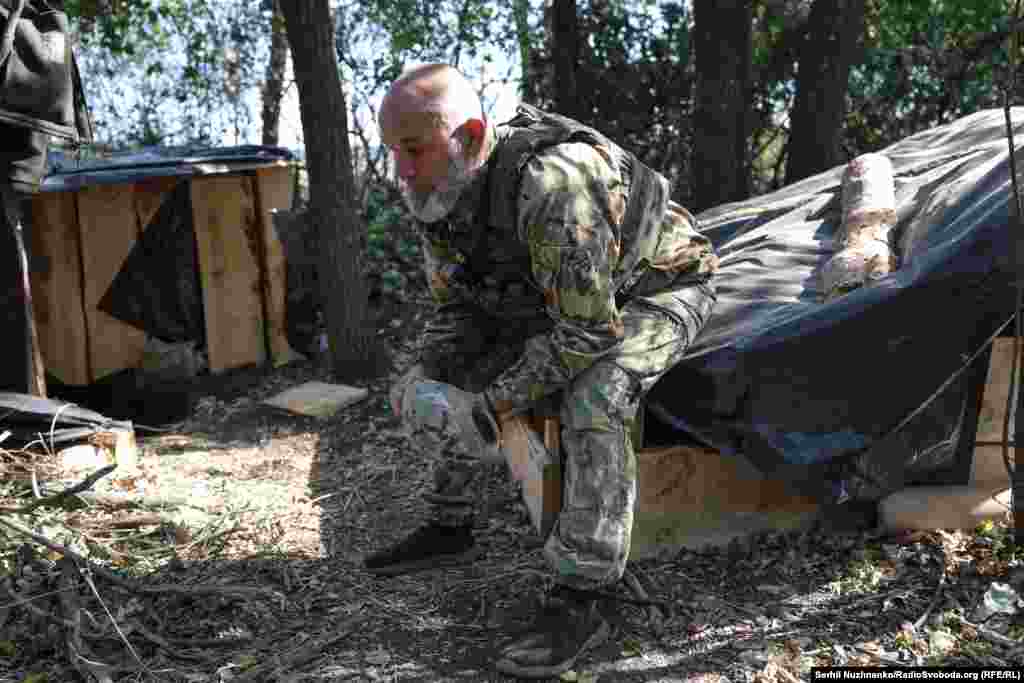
88	217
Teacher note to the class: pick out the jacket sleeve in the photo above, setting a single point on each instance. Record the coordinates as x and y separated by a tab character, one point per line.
570	207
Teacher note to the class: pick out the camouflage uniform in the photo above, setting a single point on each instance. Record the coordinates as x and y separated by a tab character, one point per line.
565	271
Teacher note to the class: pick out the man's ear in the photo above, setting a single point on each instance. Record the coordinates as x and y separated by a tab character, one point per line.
473	132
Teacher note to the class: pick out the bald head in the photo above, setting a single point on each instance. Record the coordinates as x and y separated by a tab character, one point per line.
431	96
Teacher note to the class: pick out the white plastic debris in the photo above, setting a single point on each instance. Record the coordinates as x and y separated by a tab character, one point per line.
1000	598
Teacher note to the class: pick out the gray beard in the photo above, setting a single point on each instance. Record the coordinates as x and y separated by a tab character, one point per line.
433	206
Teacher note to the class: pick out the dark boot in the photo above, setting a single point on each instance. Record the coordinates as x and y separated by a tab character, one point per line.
570	623
429	547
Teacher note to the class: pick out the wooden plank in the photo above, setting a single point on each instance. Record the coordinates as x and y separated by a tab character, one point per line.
276	187
275	283
228	239
687	479
56	279
686	497
942	507
149	196
109	229
987	465
536	468
693	497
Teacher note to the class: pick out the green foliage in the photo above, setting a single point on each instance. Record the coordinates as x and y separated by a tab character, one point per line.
926	62
634	77
170	71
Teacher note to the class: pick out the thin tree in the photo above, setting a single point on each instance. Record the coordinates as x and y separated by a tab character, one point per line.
830	47
565	34
332	212
273	86
721	120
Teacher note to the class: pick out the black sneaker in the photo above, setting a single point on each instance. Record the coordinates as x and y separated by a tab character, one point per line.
429	547
569	624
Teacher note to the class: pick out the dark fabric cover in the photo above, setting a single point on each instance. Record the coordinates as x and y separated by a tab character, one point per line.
815	390
158	289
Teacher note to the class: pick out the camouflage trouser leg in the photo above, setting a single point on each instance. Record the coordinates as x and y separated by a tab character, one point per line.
589	544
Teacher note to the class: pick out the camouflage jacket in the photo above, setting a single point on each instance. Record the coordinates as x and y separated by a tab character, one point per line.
551	240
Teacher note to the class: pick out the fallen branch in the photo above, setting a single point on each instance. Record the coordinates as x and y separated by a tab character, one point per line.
655	616
990	635
130	585
936	598
118	502
298	657
60	496
166	644
68	597
27	603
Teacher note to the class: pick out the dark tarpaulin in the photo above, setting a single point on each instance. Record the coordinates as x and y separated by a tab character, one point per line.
814	390
24	418
158	287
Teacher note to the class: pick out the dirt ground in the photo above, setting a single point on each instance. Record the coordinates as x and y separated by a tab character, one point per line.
290	505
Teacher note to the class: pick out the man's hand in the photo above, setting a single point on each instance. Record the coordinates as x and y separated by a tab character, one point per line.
438	405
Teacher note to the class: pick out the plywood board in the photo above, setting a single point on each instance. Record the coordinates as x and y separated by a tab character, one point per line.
56	280
109	230
987	465
149	195
228	236
275	283
688	479
317	399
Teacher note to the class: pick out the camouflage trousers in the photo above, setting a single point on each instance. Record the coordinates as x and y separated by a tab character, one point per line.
589	544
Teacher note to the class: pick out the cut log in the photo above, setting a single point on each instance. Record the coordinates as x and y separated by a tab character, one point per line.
869	212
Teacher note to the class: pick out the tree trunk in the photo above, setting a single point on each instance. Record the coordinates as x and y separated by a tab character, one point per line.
722	40
521	13
832	44
332	214
565	34
273	88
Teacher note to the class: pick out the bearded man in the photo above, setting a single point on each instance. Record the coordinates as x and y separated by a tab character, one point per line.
563	272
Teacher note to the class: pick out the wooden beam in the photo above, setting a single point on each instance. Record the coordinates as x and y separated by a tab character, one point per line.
109	230
228	236
987	465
